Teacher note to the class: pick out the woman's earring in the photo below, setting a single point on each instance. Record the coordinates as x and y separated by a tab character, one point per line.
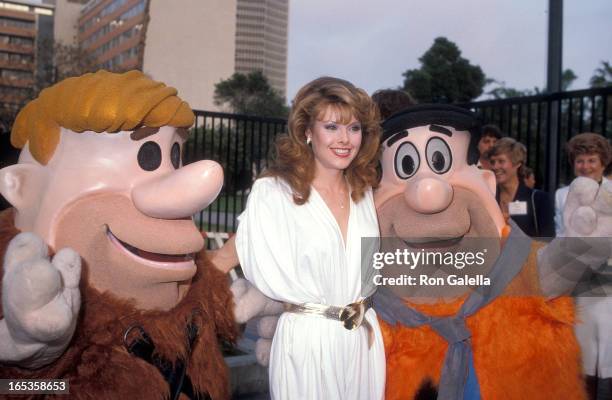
308	140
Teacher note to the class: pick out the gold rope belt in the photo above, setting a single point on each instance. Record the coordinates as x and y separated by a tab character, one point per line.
352	315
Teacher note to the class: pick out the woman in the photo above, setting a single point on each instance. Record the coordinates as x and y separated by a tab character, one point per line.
532	210
589	154
299	242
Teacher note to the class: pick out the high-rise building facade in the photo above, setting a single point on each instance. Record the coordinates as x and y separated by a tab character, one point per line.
112	31
26	27
188	44
261	39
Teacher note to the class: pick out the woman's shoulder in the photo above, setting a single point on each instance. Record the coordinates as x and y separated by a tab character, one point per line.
270	185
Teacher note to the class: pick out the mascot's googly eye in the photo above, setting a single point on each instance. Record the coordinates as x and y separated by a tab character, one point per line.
407	160
149	156
439	156
175	155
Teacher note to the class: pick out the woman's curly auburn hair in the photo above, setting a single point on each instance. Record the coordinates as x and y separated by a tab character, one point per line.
293	160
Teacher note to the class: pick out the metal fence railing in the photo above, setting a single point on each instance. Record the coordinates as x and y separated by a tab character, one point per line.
242	145
544	123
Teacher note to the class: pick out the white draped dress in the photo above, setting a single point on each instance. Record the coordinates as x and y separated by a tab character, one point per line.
296	254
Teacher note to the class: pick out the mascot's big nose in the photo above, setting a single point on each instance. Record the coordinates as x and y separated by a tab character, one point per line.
181	193
428	195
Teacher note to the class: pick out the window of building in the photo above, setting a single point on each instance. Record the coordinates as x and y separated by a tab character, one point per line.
16	23
11	74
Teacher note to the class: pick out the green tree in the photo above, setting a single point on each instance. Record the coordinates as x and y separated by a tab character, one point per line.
602	76
444	76
567	78
501	91
250	94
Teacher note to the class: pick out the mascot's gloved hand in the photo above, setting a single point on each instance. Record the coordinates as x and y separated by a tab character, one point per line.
40	302
569	261
250	303
588	208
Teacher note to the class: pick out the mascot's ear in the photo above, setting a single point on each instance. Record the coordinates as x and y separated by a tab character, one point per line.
489	178
16	182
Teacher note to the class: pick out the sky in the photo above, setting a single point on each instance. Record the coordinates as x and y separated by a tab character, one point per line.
371	43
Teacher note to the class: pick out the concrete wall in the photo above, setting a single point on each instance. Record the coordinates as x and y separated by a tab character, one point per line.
190	45
66	18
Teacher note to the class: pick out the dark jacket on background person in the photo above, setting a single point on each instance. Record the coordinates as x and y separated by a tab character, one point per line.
539	221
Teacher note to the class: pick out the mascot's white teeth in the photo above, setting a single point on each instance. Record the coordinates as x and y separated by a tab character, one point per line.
147	255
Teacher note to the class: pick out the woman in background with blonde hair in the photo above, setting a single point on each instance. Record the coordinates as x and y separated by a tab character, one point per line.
299	242
531	209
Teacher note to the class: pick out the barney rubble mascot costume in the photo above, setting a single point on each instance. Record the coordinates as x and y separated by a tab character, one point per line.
501	331
106	286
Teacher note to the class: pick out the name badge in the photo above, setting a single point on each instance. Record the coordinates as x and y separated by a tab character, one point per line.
517	208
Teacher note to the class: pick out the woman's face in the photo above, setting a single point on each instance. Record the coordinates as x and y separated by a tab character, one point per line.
589	166
335	145
505	171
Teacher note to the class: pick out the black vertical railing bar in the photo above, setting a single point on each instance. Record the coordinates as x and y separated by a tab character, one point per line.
211	223
592	113
530	151
252	151
259	133
604	115
548	134
558	144
223	195
235	175
581	121
195	157
268	126
570	122
228	193
243	158
538	138
570	133
519	122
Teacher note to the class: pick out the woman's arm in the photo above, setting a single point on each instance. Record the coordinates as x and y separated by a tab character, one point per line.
226	257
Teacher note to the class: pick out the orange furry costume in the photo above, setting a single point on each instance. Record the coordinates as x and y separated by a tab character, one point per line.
96	363
520	344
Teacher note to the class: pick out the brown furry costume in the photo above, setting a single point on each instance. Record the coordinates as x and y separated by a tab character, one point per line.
97	364
524	346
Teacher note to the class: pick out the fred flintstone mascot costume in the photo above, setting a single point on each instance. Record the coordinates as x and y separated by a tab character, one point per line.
510	339
107	285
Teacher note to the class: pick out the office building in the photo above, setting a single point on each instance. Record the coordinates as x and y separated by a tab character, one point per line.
261	39
26	31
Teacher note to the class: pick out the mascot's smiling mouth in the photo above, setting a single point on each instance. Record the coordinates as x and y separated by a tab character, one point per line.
157	260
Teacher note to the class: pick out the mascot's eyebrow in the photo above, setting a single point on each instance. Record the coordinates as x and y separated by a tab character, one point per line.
183	133
397	136
143	132
440	129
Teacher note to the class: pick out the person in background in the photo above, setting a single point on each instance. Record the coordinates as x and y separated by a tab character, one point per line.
390	101
529	178
532	210
489	135
590	155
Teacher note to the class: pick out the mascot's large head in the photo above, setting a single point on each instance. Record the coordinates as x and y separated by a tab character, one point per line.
431	194
101	172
